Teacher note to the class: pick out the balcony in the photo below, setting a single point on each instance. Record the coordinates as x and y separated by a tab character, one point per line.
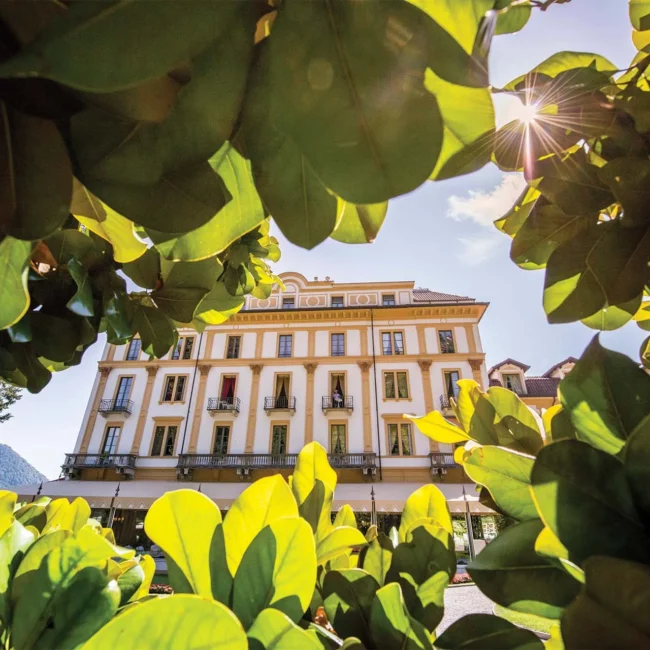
123	464
113	406
272	404
445	404
245	463
224	405
345	404
441	463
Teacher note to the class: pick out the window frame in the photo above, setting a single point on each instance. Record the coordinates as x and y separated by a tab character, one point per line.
221	380
399	424
286	306
392	352
519	376
390	297
279	423
285	356
332	335
453	341
282	373
445	372
117	387
338	423
239	346
341	298
110	425
128	349
164	385
330	376
395	372
166	423
217	425
181	346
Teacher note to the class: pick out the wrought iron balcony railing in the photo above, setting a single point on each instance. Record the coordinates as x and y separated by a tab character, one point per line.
440	460
445	402
231	404
122	463
280	403
342	403
116	406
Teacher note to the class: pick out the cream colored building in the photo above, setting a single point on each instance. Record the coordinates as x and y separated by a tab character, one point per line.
338	363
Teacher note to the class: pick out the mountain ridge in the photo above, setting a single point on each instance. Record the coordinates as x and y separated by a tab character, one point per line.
15	470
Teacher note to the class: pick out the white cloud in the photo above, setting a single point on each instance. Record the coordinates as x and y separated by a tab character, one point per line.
477	250
484	207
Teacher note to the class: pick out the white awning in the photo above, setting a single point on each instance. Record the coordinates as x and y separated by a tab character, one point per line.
97	493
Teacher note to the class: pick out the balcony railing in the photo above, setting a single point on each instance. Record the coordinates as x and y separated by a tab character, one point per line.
442	460
228	404
116	406
243	463
123	463
342	403
280	403
445	402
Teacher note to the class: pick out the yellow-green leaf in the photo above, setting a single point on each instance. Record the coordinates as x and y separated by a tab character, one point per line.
338	541
426	502
434	426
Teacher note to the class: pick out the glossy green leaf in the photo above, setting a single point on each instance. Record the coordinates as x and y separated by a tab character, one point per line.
145	270
179	304
392	626
514	18
348	597
241	214
628	179
183	523
584	497
130	583
548	545
14	542
360	224
469	126
155	329
506	474
487	632
74	517
426	502
278	569
262	503
377	558
512	574
605	395
273	630
7	507
436	427
513	220
345	517
14	260
179	622
337	541
639	10
36	176
82	301
610	612
557	423
217	306
111	62
563	61
327	60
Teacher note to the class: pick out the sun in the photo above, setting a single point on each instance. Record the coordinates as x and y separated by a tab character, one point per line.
527	113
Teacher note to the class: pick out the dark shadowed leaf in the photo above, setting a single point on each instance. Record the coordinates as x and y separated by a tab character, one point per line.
82	301
377	558
145	270
156	330
273	630
14	260
487	632
360	224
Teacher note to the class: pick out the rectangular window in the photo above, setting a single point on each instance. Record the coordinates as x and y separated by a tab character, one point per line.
123	391
288	303
164	440
338	439
446	339
234	343
133	353
451	383
513	383
174	390
183	349
228	386
338	345
396	385
279	439
400	442
392	342
221	437
285	345
388	300
337	301
110	440
282	391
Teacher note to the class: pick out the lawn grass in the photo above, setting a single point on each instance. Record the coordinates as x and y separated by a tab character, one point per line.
530	621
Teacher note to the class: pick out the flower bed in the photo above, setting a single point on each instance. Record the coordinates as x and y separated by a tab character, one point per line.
160	589
461	579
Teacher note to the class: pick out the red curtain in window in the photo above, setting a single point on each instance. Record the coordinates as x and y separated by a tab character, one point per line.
228	388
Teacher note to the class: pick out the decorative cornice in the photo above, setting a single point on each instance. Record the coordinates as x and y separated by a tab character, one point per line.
310	368
256	368
151	370
424	364
364	365
204	369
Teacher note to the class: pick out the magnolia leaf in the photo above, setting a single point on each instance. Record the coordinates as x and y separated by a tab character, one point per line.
513	18
512	574
345	517
82	301
262	503
426	502
217	306
156	330
557	423
483	631
14	542
278	569
14	297
273	630
366	147
337	541
145	270
436	427
178	622
360	224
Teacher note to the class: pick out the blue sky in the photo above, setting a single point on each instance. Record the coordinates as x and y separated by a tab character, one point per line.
440	236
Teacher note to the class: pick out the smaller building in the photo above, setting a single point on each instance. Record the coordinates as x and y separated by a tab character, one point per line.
538	393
